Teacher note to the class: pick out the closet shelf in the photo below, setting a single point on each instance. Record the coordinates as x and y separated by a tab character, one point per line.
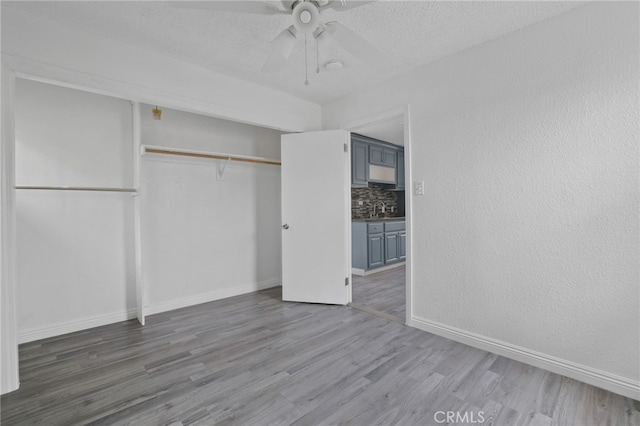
151	149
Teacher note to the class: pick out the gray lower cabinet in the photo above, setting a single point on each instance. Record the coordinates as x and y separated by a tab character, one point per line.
391	248
375	244
376	250
402	246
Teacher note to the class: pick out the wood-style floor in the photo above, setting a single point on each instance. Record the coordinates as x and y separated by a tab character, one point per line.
255	360
383	292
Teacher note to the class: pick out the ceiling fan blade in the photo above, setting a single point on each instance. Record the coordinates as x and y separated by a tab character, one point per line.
341	5
282	46
353	43
256	7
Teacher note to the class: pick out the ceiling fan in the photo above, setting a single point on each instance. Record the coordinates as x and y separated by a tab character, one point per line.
307	22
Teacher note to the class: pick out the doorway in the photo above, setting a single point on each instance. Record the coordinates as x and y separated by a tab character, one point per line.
381	218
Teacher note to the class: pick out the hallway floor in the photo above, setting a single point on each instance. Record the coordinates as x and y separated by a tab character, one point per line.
383	292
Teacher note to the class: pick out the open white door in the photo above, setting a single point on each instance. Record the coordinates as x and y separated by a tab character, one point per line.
316	201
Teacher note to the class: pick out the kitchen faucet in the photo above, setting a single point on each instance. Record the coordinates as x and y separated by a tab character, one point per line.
383	210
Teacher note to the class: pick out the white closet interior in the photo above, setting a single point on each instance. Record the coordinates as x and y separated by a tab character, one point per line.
204	236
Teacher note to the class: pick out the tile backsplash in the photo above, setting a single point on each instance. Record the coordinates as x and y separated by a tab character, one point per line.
369	196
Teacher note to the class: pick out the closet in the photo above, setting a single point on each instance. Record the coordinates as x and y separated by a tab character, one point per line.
106	226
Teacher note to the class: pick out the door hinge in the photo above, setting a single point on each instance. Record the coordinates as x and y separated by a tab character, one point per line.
346	281
346	147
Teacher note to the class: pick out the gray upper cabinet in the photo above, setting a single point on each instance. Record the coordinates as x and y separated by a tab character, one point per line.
400	170
382	156
389	157
359	163
376	155
367	153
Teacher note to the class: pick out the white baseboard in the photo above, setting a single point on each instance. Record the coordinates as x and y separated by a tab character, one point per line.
366	272
30	335
602	379
210	297
71	326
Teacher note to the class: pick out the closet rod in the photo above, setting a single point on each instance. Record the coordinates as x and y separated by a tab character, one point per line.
77	188
216	156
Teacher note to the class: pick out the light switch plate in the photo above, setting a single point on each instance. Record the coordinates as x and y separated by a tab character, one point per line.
418	187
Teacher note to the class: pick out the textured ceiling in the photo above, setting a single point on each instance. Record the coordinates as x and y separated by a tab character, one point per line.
409	33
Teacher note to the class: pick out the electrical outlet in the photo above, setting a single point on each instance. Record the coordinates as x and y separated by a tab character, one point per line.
418	187
360	203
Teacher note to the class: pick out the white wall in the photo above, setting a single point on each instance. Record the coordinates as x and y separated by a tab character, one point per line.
48	50
527	240
71	137
74	249
179	129
205	238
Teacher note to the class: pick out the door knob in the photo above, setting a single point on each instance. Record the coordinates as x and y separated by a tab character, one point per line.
285	226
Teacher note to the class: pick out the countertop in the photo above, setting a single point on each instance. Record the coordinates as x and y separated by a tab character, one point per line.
378	219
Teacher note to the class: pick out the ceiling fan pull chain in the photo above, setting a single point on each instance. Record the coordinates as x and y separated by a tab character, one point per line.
317	56
306	65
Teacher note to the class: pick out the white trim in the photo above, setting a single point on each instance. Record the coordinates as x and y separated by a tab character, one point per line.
9	370
46	73
408	201
592	376
347	220
137	224
367	272
33	334
377	118
210	297
72	326
380	117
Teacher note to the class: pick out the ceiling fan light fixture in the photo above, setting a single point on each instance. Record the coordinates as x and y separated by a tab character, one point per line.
282	46
306	17
324	39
